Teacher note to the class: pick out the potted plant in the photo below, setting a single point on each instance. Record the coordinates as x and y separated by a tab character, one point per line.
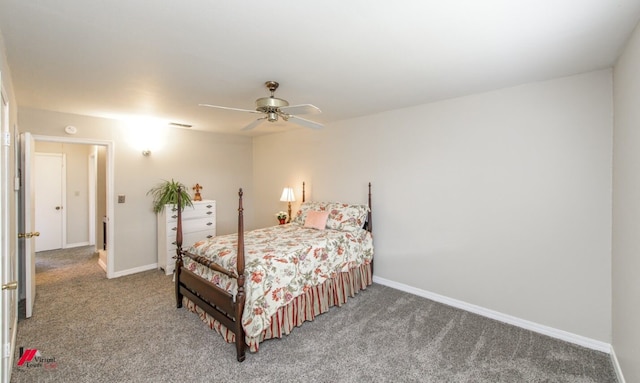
166	192
282	217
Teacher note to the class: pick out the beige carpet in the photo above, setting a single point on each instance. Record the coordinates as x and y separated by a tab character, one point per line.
128	330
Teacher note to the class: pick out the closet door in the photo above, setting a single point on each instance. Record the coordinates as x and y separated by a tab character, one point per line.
50	209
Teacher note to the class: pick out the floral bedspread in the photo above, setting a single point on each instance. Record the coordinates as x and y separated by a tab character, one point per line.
281	262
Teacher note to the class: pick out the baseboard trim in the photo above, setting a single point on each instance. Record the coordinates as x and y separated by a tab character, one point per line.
102	265
528	325
135	270
616	366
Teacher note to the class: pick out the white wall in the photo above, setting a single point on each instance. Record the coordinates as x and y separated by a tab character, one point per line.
7	83
626	211
221	163
501	199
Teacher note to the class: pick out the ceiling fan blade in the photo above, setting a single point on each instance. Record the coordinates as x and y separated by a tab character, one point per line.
305	123
301	109
227	108
254	123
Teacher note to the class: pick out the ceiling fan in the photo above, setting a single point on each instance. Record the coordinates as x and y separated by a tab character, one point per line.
273	108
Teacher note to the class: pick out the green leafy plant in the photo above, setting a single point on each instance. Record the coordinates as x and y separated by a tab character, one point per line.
166	192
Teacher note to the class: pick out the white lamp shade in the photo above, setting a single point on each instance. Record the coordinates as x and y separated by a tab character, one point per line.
287	195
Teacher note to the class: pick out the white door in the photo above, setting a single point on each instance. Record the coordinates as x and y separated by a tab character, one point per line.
48	171
27	212
8	264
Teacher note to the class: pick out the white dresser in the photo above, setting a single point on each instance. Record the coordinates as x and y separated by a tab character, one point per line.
198	223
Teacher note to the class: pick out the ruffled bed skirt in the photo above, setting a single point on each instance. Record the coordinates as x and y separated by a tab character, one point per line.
315	301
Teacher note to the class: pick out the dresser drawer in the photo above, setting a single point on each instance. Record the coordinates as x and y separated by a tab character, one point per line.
189	239
198	210
192	225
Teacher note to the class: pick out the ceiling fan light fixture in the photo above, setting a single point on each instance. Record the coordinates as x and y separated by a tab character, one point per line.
269	104
272	117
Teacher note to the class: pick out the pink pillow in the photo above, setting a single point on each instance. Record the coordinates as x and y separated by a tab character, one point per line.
316	219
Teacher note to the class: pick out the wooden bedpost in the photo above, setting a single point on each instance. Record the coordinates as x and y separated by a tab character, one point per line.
240	296
369	225
178	256
302	191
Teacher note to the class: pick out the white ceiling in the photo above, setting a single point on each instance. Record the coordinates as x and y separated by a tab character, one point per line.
351	58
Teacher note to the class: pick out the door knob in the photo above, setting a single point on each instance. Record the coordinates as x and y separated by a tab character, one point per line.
10	286
58	207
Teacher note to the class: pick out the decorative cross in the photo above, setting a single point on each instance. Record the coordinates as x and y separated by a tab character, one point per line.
197	188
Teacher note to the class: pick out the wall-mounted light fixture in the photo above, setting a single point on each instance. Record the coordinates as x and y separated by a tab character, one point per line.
145	135
287	196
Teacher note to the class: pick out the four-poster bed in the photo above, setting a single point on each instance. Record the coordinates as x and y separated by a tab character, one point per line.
256	285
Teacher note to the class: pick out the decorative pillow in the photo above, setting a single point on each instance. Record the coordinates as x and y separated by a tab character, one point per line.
316	219
342	216
306	207
346	217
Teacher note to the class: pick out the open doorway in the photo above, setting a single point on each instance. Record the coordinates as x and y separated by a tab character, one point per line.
89	194
70	195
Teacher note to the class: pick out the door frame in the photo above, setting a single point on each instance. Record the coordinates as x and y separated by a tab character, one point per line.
109	171
27	222
92	165
8	231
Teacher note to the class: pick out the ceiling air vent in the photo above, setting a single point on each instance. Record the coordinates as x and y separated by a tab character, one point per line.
180	125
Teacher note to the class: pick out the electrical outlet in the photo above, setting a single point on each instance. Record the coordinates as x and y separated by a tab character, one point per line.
121	198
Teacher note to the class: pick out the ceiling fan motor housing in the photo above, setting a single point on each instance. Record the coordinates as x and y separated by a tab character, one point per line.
271	106
268	104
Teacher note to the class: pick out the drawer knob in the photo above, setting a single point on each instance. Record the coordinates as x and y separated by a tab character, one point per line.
209	212
209	206
209	223
174	216
174	228
209	236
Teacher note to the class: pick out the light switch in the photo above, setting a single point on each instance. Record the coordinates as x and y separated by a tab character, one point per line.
120	198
